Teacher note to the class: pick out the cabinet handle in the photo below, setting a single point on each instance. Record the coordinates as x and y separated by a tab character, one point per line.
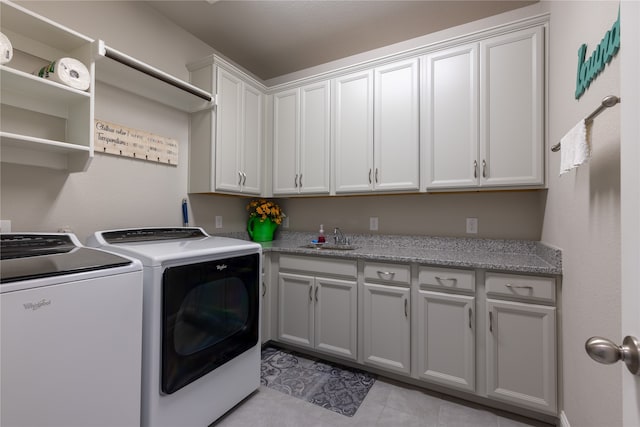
264	289
475	168
295	181
490	321
386	275
370	182
484	169
316	294
447	279
311	293
376	175
239	178
300	181
406	308
510	286
470	317
244	178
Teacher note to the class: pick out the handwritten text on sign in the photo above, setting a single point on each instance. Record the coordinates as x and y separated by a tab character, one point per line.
116	139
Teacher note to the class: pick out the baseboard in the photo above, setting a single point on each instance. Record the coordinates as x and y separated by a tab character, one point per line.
564	421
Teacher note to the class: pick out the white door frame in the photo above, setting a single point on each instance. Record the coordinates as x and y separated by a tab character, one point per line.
630	197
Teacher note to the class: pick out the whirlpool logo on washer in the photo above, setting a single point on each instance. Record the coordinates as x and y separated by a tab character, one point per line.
33	306
221	267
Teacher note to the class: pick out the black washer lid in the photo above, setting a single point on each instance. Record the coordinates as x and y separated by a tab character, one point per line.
152	234
34	256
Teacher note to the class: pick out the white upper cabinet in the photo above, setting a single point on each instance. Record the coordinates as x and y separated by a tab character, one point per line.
511	109
238	134
396	129
44	123
353	132
450	117
376	136
226	150
483	113
301	138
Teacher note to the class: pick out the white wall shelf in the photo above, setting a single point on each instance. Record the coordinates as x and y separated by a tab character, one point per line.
44	123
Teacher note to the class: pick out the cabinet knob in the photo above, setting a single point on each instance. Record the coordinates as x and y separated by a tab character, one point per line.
605	351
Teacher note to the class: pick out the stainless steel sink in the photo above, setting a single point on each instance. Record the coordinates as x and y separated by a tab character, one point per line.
330	247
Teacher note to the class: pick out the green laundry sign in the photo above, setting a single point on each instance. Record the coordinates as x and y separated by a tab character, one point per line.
588	69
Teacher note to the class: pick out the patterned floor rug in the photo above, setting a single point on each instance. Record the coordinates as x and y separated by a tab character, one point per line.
328	385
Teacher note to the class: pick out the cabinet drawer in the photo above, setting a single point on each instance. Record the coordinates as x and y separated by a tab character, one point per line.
532	288
396	273
325	266
447	278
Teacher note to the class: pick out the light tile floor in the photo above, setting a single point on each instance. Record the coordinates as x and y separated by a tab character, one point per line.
388	404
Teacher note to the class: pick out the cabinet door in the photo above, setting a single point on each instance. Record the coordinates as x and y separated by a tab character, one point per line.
353	132
511	112
521	354
446	343
386	327
336	317
396	131
229	125
314	139
285	141
252	140
295	309
450	114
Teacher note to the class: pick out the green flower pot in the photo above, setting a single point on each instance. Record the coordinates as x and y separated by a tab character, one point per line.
261	230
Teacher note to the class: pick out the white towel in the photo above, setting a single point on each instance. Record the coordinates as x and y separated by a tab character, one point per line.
575	147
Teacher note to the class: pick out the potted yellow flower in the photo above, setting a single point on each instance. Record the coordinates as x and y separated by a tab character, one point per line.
264	218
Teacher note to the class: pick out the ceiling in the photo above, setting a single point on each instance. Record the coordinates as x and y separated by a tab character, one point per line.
272	38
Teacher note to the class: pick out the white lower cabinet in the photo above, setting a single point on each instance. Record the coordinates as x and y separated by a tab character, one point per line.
386	325
446	339
521	344
446	328
318	312
362	311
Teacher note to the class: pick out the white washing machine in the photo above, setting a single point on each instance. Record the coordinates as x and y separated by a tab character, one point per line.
201	348
70	334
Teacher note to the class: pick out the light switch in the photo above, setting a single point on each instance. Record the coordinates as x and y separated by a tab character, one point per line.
218	221
373	223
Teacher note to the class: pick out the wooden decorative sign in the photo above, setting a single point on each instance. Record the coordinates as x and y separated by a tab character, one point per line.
116	139
588	69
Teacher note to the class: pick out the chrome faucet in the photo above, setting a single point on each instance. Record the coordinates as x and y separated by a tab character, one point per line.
340	239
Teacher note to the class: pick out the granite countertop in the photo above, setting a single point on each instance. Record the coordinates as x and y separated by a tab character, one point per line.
523	256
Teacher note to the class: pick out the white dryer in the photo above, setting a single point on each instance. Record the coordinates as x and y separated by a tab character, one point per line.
71	327
201	348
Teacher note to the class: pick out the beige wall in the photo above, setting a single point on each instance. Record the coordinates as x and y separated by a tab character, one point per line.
582	214
501	215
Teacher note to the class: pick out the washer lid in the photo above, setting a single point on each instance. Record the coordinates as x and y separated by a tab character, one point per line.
34	256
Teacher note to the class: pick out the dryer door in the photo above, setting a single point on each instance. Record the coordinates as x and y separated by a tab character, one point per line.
210	315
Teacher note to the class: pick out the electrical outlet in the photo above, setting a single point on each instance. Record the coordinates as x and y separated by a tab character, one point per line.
373	223
218	221
5	226
472	225
285	222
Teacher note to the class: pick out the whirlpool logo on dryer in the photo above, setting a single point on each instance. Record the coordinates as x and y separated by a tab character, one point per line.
33	306
221	267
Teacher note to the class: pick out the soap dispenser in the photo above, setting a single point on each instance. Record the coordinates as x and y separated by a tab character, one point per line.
321	238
